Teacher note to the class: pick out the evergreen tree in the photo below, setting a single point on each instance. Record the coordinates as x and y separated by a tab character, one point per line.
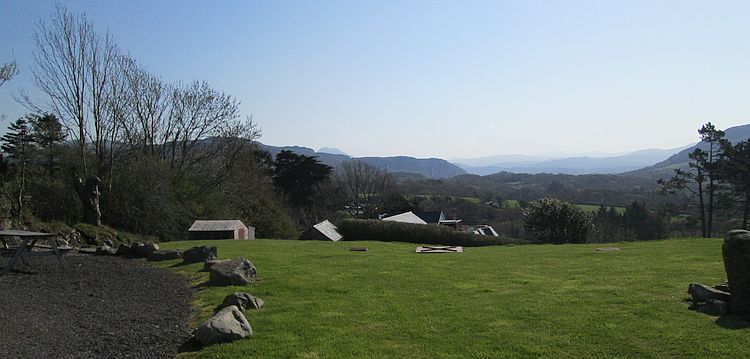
702	177
735	170
17	146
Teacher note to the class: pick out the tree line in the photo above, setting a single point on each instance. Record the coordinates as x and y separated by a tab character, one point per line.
717	179
111	143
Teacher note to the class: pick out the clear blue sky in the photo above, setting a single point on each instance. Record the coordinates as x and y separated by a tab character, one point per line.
438	79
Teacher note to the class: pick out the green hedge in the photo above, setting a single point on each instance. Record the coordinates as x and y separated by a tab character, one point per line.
387	231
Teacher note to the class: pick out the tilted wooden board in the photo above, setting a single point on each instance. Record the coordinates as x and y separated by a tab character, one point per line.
440	249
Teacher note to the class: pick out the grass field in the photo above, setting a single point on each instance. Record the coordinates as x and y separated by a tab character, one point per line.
323	301
593	208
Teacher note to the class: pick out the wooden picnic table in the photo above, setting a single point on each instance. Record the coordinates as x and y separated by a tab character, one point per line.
28	240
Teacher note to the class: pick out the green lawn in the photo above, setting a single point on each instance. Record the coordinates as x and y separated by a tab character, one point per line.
323	301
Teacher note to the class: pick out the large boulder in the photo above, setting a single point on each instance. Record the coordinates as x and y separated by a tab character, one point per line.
736	251
242	300
235	272
136	248
123	250
163	255
225	326
199	254
208	264
105	250
704	293
145	250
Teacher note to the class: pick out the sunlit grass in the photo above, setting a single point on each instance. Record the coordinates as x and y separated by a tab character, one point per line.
509	301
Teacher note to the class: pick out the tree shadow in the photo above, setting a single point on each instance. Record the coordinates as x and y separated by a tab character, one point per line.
732	322
190	346
180	264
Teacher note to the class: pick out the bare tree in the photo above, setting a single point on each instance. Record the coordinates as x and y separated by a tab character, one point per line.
8	71
366	187
200	113
73	67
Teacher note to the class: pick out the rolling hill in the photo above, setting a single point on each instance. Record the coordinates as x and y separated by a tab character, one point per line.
433	168
569	165
680	159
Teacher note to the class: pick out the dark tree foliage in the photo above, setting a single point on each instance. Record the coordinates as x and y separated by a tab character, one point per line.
19	140
297	176
49	135
553	221
643	224
17	145
735	171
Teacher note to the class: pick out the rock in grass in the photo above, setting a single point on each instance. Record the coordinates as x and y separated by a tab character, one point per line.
225	326
199	254
123	250
704	293
208	264
105	250
736	252
163	255
724	287
136	248
242	300
145	250
235	272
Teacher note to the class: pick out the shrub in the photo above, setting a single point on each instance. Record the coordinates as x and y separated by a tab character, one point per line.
377	230
553	221
98	235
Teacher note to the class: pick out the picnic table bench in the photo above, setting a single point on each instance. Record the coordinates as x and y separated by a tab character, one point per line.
28	241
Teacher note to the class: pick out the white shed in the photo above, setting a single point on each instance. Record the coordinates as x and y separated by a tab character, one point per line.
220	229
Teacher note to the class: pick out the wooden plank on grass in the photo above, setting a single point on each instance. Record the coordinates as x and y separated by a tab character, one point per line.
440	249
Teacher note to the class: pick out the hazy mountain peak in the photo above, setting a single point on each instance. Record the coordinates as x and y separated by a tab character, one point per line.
333	151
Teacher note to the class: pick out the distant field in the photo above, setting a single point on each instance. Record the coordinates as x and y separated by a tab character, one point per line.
323	301
593	208
510	203
470	199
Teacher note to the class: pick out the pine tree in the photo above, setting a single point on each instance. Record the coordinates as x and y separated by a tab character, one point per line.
17	146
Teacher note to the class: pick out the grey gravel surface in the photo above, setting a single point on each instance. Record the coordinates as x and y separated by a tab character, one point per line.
105	307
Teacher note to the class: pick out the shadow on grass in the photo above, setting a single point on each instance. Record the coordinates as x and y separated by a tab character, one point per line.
731	322
190	346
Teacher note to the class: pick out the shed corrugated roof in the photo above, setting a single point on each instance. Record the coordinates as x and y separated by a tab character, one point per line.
216	225
329	230
433	217
406	217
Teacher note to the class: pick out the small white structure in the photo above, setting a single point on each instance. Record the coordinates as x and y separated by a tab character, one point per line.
223	229
406	217
323	231
486	231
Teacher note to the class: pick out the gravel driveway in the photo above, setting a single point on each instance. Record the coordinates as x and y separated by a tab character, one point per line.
105	307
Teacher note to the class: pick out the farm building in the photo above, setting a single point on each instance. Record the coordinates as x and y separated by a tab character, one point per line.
211	229
323	231
406	217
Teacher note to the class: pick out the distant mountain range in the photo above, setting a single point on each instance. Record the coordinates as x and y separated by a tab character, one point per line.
568	165
433	168
332	151
651	163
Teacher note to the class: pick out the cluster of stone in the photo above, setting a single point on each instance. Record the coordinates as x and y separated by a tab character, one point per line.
228	324
732	297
